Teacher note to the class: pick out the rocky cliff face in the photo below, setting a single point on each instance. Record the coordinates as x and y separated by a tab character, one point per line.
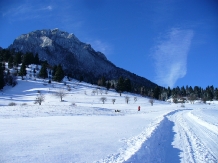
58	47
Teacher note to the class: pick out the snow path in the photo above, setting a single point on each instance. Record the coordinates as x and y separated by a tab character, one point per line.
209	126
152	145
197	143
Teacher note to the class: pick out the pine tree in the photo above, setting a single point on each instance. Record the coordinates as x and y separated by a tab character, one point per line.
54	70
157	92
17	58
28	59
142	91
36	59
216	94
102	81
108	85
120	85
59	74
81	78
2	83
43	72
183	92
169	91
22	71
209	94
10	62
127	85
6	55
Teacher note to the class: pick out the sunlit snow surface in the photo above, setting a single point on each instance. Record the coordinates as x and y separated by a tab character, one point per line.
83	129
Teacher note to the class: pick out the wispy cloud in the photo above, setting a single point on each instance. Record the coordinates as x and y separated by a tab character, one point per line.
26	11
103	47
170	56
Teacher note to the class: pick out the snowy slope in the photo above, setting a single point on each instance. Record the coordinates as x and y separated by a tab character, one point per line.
83	129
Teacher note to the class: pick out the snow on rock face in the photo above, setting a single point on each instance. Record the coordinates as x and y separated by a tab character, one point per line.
59	47
46	41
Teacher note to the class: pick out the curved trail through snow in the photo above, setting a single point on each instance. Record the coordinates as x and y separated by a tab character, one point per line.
179	137
195	138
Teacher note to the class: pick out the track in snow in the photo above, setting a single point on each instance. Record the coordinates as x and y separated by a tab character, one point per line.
158	147
178	137
197	142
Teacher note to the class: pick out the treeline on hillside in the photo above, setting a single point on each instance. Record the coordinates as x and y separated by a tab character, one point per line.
189	93
56	73
19	62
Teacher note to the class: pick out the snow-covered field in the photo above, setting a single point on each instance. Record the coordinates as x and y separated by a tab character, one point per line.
83	129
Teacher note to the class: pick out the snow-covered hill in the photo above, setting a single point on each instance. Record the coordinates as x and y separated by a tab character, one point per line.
83	129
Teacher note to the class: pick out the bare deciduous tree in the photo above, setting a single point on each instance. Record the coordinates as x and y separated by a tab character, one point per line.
39	99
68	87
192	98
94	92
127	99
103	99
100	91
60	94
151	101
113	100
97	90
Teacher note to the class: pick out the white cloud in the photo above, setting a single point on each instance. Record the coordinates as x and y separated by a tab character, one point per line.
170	56
100	46
49	8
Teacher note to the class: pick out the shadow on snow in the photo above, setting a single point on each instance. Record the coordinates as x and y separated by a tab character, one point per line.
158	148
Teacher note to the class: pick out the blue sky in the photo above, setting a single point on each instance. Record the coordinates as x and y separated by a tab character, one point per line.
170	42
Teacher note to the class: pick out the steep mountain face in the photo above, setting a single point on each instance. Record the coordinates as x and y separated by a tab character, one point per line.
58	47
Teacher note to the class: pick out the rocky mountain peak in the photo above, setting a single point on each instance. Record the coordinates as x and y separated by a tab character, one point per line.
59	47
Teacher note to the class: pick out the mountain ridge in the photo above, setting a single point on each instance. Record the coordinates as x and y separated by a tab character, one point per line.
59	47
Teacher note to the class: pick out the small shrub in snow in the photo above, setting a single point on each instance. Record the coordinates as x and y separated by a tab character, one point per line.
103	99
151	101
12	104
113	100
39	99
23	104
93	92
60	94
73	104
135	99
182	105
68	87
101	91
127	99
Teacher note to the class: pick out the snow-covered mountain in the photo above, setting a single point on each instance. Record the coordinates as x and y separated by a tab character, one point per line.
59	47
